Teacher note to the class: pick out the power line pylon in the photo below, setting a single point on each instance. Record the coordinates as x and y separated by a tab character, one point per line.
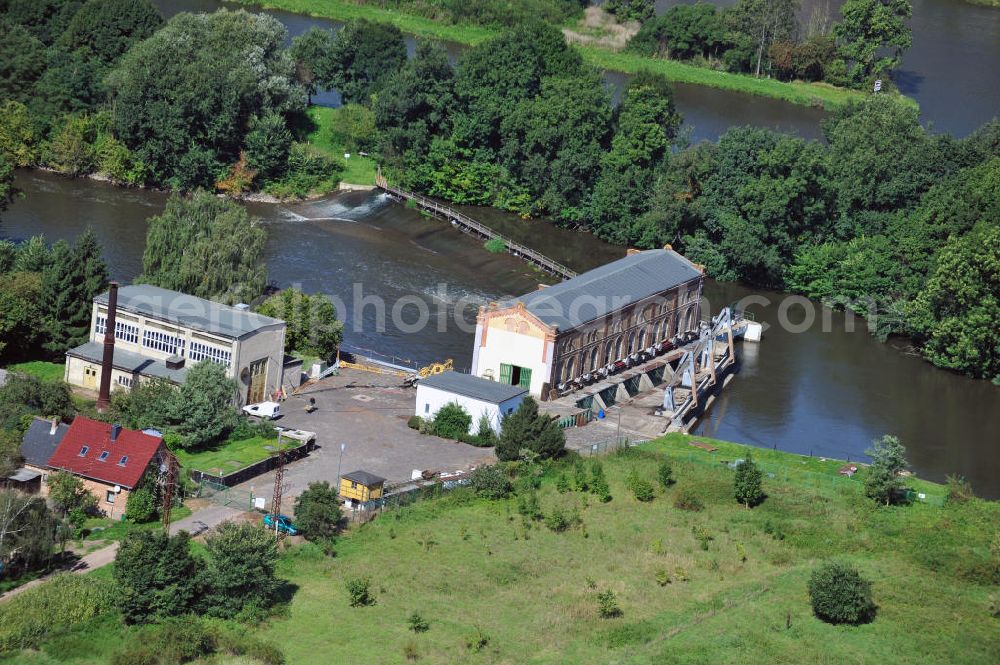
279	480
169	479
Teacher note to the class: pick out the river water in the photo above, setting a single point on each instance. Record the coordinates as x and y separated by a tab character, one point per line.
829	393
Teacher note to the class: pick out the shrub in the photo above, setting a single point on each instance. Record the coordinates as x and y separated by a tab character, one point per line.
358	591
528	429
959	490
641	488
560	519
839	594
414	422
495	246
478	640
685	499
417	623
663	577
452	421
485	434
607	605
747	486
665	474
141	505
581	479
703	536
490	482
562	484
527	505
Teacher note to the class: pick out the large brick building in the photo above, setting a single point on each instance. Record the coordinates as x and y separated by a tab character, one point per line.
159	333
561	332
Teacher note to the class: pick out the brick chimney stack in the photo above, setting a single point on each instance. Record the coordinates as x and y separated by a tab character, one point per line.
104	396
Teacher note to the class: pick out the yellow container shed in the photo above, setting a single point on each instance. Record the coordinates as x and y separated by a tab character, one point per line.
361	486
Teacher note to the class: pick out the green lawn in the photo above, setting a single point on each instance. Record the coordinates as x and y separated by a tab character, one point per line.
795	92
358	170
102	528
45	371
230	456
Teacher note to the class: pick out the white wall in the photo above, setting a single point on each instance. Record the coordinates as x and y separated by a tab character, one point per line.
504	346
430	400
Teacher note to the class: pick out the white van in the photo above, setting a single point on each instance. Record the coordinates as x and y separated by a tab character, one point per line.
263	410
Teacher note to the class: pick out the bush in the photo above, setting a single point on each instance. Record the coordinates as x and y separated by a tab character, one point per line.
490	482
495	246
747	483
839	594
359	591
685	499
607	605
959	490
665	474
61	603
417	623
560	520
527	429
452	421
641	488
414	422
562	484
141	505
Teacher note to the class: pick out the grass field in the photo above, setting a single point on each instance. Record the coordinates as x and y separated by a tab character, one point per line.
723	585
45	371
358	170
812	94
230	456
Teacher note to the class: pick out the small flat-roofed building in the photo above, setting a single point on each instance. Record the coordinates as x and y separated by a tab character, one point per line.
479	397
361	487
109	459
160	333
559	333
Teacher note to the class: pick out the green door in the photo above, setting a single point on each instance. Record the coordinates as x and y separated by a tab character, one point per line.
505	372
525	378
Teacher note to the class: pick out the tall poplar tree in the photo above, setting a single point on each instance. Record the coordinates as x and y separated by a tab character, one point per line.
75	275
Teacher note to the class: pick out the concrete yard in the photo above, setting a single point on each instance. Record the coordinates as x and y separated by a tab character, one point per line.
367	412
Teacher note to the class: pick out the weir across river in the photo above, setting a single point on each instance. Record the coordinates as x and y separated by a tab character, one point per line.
467	225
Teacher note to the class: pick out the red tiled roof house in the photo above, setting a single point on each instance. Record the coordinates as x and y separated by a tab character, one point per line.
109	459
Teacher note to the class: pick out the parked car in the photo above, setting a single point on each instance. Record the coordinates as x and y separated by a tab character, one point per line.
284	524
263	410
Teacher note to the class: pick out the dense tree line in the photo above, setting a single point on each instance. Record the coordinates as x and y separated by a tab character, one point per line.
763	37
203	100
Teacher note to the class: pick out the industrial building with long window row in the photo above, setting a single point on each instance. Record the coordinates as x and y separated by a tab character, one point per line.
159	333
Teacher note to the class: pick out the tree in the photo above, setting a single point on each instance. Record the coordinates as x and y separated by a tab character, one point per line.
24	395
106	29
23	58
452	421
311	320
883	480
241	569
18	145
186	116
869	30
69	495
69	285
312	52
954	315
202	409
156	576
267	146
747	486
364	55
27	529
665	473
527	429
681	33
147	404
142	504
630	10
20	297
839	594
207	247
10	452
317	512
761	23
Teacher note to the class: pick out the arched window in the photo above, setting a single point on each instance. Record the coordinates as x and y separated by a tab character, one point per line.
631	342
569	370
594	358
607	352
642	339
618	348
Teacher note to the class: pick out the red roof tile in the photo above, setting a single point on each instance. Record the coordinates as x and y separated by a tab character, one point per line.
140	448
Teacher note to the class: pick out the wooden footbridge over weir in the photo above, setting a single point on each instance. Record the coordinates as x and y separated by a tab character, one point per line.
466	224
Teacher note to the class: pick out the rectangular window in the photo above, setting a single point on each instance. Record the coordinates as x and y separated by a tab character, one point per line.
201	352
83	451
110	498
427	408
125	381
123	460
103	457
161	341
123	331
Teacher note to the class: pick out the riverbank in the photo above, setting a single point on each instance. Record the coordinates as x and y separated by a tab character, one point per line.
795	92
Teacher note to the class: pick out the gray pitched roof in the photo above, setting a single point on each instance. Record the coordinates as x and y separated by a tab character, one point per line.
189	311
39	442
365	478
472	386
129	362
610	287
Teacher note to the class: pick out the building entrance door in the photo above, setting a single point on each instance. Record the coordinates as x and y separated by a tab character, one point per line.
258	381
513	375
90	377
